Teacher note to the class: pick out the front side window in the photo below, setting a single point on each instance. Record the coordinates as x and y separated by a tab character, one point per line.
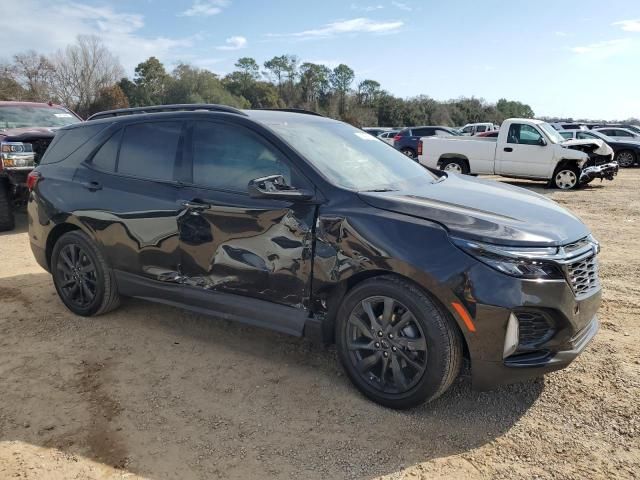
467	130
228	157
567	135
148	150
523	134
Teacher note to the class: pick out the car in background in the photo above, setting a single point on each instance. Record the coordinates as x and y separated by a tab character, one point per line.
626	152
471	129
569	126
406	140
619	133
387	137
26	130
628	126
375	131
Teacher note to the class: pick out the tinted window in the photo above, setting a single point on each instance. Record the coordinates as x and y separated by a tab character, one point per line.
149	150
228	157
567	135
481	128
105	157
523	134
404	133
585	135
422	132
622	133
68	141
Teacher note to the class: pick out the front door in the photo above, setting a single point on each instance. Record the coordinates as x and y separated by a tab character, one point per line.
525	154
230	242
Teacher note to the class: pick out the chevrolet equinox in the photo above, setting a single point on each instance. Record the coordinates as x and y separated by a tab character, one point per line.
311	227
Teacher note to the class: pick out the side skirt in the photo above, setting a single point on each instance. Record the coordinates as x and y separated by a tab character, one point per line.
226	306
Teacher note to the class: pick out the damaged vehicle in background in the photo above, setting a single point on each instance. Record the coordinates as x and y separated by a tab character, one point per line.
26	130
312	227
626	152
523	148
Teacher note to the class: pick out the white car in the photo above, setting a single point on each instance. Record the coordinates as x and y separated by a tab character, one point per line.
387	137
471	129
524	148
618	133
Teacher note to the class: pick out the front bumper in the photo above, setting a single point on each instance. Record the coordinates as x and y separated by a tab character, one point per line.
487	374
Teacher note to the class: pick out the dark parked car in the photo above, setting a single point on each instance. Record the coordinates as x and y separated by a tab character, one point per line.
311	227
626	152
406	140
26	130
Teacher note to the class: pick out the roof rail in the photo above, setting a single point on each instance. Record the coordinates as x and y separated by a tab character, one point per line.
186	107
292	110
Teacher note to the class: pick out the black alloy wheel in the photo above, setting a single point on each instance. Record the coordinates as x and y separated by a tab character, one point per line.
78	275
386	344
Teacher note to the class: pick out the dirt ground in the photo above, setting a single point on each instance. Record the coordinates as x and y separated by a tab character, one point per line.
154	392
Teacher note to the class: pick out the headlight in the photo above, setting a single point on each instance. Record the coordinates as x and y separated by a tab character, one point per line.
17	155
518	262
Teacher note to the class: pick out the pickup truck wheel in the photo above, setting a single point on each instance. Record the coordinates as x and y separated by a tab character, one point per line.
397	347
409	152
7	221
625	158
566	178
83	280
454	166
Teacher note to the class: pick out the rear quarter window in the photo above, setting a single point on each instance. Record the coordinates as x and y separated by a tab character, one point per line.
68	141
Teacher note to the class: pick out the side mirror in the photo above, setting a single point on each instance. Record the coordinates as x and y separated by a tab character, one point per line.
275	187
542	142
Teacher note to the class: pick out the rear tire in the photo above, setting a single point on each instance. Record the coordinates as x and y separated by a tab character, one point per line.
409	152
566	177
7	220
455	166
401	350
83	280
625	158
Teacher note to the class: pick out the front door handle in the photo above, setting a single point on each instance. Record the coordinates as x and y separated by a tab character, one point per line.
508	149
92	186
195	205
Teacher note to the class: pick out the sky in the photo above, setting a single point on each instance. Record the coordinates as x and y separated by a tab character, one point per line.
564	58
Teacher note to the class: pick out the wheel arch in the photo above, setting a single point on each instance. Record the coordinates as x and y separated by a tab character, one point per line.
453	156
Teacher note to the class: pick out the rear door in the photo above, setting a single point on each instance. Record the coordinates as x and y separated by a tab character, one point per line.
129	198
523	154
230	242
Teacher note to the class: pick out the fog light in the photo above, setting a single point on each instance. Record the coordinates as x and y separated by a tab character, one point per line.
511	337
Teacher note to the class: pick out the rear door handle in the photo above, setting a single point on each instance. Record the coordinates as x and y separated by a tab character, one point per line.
508	149
92	186
195	205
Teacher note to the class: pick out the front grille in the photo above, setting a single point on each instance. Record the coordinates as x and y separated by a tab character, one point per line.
535	328
583	275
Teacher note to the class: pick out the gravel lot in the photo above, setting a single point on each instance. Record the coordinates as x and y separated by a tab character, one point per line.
154	392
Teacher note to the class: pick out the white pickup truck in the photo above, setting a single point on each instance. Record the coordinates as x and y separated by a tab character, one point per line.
524	148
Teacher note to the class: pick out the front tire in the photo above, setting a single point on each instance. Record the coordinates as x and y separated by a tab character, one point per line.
625	158
83	280
396	345
7	220
566	178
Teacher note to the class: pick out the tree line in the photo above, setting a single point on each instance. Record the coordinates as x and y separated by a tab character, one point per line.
87	78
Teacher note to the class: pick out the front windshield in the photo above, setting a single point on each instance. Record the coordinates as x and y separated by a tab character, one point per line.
35	116
552	133
351	158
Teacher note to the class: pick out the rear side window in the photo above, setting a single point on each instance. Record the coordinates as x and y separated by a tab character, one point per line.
105	158
149	150
68	141
227	157
423	132
568	135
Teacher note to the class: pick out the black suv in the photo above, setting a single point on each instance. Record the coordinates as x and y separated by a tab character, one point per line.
311	227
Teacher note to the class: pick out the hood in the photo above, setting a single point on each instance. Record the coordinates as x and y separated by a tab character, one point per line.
26	133
599	147
486	211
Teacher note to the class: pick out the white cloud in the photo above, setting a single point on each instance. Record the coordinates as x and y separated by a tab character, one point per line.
628	25
58	24
205	8
355	25
233	43
561	34
604	49
402	6
366	8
